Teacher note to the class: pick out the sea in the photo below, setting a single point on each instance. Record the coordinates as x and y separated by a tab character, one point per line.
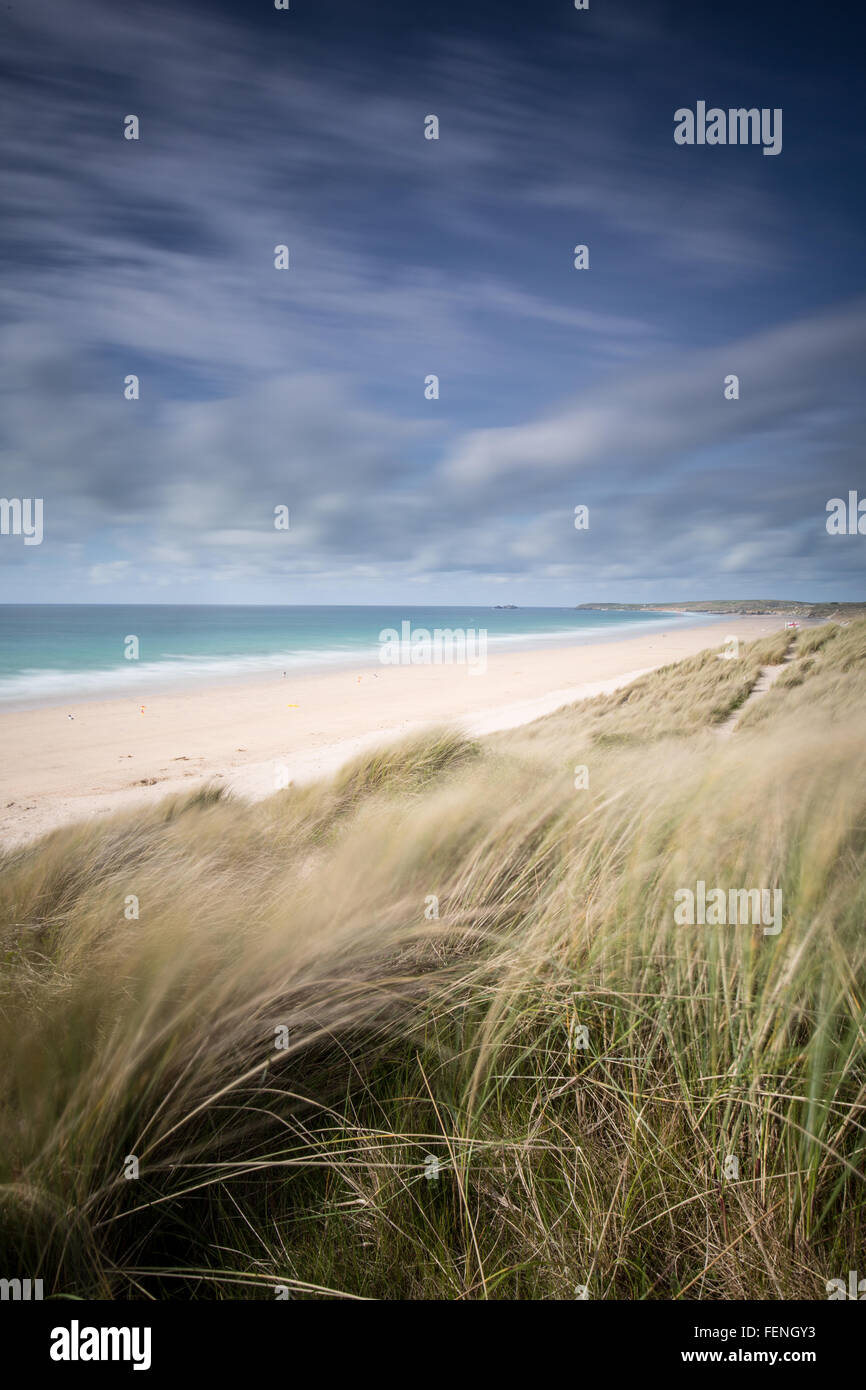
50	653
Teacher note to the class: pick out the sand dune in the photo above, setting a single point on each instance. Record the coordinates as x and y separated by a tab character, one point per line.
117	753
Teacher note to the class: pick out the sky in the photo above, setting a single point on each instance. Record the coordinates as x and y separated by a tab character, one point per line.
410	257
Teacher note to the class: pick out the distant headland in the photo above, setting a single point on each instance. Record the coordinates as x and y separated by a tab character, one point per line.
742	607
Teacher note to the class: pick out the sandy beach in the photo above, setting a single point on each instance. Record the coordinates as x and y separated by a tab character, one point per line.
274	730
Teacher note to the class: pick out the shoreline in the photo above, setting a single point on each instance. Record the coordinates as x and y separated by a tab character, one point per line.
142	680
119	753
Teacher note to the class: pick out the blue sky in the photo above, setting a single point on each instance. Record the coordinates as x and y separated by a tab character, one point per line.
410	257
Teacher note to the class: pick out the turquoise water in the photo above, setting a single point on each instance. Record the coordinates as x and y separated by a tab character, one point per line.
51	652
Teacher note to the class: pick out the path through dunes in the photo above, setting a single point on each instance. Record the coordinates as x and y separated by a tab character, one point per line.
767	677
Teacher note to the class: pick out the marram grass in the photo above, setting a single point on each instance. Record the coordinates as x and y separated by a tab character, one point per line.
539	1090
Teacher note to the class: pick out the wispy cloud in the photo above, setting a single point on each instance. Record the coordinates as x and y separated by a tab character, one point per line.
408	258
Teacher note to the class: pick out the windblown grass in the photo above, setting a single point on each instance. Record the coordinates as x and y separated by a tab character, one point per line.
433	1127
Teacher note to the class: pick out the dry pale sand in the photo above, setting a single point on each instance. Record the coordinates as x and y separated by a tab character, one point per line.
111	755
